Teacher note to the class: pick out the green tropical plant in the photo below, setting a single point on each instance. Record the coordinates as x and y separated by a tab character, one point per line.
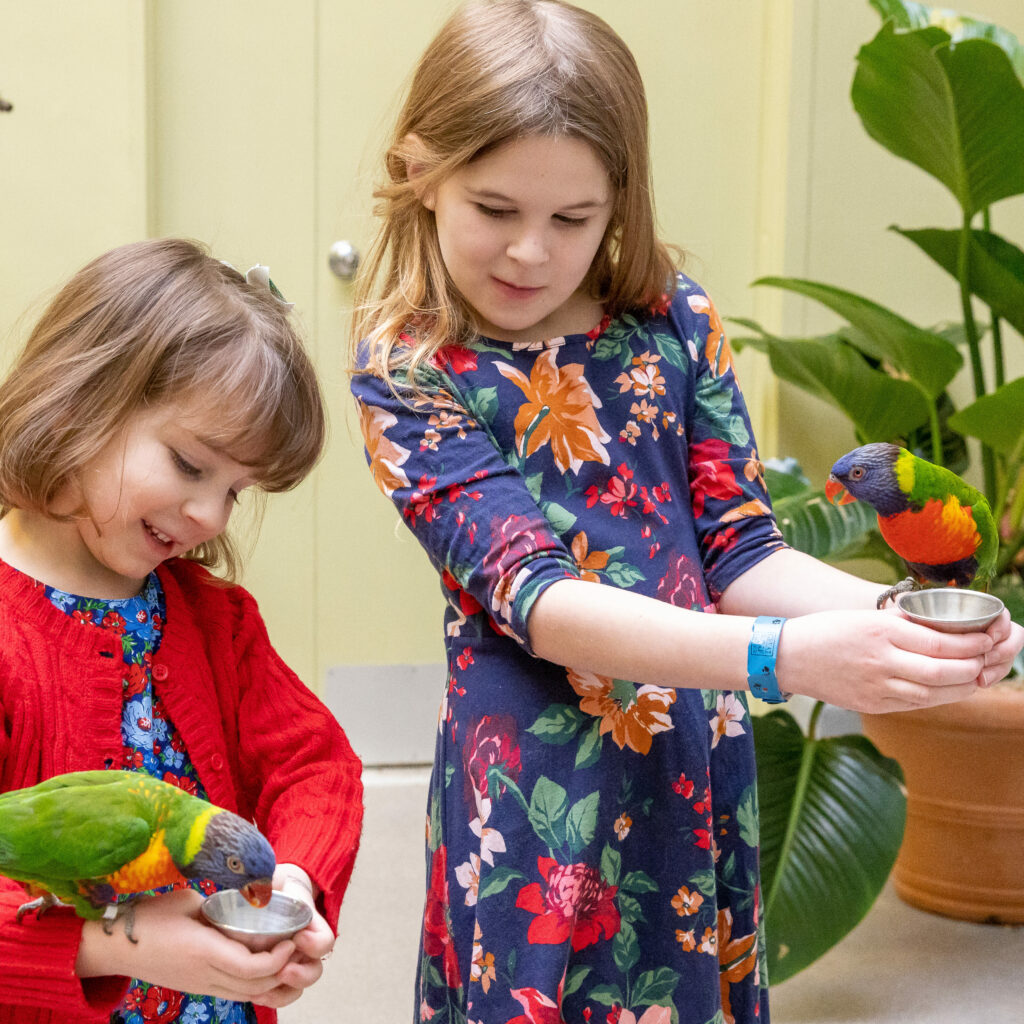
947	94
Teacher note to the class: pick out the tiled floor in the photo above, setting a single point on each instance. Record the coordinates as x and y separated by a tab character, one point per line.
900	965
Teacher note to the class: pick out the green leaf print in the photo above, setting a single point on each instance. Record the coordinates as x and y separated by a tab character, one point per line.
608	995
671	351
625	948
574	979
746	816
557	724
710	699
704	881
638	881
482	403
611	865
561	519
434	840
581	823
729	871
622	574
533	485
715	401
624	692
589	750
629	908
548	804
498	881
719	1018
655	988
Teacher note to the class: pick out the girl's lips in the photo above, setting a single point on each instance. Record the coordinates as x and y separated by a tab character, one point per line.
513	290
157	535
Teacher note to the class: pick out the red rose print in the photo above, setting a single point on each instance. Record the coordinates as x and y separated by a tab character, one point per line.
710	473
493	740
576	904
437	936
161	1005
455	358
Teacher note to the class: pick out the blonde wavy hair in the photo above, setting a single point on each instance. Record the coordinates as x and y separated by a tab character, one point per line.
500	70
154	322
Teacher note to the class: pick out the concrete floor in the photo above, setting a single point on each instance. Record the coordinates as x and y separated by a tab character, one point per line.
900	964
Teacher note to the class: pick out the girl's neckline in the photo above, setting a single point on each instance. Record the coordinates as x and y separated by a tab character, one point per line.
588	337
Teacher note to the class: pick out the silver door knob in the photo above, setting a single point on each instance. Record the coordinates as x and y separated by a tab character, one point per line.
343	259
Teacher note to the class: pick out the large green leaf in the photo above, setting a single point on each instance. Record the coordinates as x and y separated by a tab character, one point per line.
906	14
928	359
997	420
995	270
832	816
811	523
880	407
955	111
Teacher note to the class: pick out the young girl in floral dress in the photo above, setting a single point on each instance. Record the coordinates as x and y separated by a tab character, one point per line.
555	414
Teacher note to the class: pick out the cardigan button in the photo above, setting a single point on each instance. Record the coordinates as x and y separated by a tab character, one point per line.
217	762
160	672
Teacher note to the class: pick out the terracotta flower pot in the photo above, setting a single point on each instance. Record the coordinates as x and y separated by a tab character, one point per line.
963	849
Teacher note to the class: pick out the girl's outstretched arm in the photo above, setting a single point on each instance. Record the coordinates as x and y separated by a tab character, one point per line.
176	950
835	647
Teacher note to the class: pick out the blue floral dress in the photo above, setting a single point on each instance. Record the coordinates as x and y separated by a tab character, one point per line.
151	745
592	842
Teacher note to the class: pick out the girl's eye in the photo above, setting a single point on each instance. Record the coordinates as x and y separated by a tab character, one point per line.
572	222
185	466
492	211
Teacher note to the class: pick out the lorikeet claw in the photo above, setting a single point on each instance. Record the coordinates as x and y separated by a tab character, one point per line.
905	586
115	910
41	904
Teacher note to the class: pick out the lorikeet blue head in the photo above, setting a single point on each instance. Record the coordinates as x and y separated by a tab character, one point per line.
235	855
868	474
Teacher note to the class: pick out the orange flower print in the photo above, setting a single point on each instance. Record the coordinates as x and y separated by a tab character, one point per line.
590	562
644	378
482	968
716	348
386	457
623	823
728	715
745	511
560	411
687	902
709	943
686	939
632	714
736	959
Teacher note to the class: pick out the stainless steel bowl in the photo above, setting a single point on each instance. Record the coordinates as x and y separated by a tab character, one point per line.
950	610
258	928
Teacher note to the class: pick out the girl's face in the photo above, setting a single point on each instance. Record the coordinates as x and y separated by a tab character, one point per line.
519	228
155	491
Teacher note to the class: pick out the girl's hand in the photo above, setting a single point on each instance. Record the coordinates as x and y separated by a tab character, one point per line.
1008	640
315	942
879	661
177	950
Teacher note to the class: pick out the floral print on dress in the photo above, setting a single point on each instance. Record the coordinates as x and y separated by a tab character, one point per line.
150	744
592	842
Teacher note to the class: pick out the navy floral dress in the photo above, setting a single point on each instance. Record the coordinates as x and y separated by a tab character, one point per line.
151	745
592	842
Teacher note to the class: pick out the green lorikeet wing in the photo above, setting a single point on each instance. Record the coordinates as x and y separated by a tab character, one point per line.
70	829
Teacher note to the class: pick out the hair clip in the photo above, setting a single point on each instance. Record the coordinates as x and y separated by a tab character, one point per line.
259	275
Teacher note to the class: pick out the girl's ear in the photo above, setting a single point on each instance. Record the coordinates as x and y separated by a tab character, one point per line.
415	165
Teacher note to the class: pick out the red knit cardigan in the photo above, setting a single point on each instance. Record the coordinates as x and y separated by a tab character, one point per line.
261	742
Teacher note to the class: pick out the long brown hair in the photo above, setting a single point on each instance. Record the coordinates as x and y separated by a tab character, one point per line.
499	70
154	322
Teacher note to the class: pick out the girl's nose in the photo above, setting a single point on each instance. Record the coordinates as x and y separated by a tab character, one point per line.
209	513
528	247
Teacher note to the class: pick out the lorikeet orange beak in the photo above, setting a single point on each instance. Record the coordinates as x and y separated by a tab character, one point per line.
257	893
837	493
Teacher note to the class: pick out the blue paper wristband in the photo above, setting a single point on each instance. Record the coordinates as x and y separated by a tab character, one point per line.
761	654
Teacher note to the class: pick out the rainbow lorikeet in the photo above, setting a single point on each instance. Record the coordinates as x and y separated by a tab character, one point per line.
84	838
940	525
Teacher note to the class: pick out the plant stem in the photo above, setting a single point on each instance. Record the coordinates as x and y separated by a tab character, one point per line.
998	360
973	342
812	725
936	431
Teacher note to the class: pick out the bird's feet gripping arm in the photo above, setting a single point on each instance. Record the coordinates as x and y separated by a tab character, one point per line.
40	905
905	586
115	910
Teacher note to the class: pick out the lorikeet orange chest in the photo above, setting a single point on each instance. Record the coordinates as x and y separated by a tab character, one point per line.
940	525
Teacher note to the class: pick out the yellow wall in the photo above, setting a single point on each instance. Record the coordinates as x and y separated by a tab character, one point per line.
257	127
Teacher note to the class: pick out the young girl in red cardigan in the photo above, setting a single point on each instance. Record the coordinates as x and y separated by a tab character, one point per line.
159	384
